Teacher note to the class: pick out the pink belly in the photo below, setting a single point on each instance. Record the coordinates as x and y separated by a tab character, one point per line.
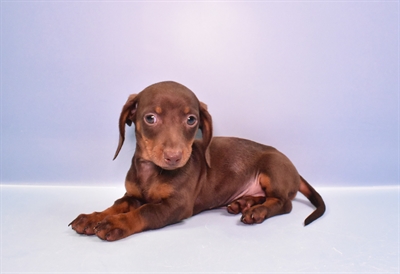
252	188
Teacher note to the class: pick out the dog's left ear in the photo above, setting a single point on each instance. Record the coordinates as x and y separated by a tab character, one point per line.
206	130
127	117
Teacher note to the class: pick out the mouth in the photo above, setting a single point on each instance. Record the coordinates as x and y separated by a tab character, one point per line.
169	167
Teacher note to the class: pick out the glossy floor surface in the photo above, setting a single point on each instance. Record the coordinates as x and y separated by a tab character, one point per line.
359	233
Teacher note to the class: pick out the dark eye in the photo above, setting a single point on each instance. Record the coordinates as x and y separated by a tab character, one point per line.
150	119
191	120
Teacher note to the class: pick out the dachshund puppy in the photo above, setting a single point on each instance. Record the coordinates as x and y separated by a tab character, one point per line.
174	176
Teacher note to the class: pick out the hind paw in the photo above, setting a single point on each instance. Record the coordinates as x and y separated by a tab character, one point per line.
254	215
244	203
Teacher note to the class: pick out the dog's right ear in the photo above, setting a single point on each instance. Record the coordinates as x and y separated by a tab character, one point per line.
127	117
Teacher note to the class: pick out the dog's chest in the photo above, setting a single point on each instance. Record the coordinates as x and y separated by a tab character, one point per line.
150	183
150	191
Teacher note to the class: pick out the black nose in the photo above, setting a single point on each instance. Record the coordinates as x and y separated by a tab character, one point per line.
172	158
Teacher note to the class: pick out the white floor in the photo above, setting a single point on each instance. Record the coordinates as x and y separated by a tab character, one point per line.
358	234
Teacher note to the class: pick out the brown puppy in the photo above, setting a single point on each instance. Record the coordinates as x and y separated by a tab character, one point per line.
173	176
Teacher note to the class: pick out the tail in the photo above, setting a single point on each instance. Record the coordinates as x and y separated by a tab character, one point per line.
307	190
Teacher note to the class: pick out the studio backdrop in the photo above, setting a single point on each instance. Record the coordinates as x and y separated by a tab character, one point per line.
319	80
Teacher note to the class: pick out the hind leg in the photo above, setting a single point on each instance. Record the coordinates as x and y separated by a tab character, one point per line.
271	207
244	203
278	196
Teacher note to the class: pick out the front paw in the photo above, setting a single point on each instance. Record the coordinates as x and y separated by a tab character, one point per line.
112	228
85	223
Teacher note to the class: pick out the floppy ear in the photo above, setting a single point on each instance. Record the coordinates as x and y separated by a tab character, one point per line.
127	117
206	130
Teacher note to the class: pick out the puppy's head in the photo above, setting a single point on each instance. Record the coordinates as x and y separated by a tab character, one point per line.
167	116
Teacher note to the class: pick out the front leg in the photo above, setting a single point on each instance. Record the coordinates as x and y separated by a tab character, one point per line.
85	223
146	217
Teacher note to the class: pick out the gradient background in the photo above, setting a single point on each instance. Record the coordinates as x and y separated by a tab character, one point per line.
319	80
